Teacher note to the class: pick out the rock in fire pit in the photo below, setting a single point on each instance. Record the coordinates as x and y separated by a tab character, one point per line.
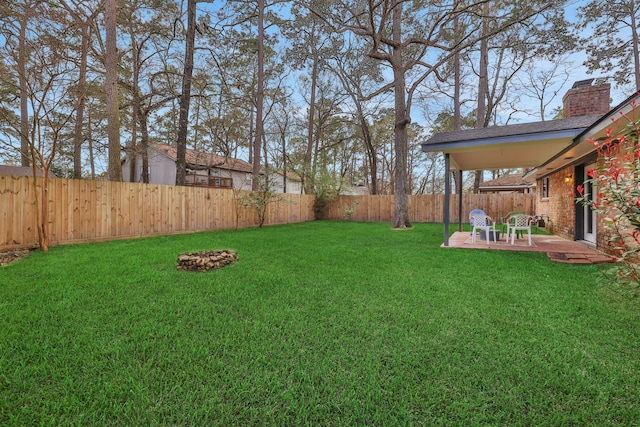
203	261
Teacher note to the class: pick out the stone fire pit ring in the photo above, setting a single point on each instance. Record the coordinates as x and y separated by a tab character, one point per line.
206	260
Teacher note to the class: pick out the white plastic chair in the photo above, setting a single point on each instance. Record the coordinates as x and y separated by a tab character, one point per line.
475	212
482	222
507	220
519	223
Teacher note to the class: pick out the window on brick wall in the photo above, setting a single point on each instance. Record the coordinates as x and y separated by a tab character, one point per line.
544	189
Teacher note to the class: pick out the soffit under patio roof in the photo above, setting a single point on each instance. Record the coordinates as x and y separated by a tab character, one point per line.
525	145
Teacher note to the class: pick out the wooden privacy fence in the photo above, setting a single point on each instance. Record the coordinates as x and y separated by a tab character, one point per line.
429	208
83	210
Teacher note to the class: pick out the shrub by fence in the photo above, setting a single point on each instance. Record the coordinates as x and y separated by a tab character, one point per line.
83	210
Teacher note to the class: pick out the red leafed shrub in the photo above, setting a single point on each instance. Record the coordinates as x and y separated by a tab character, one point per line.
616	181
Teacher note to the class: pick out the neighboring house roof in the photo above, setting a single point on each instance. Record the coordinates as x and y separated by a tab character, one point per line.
201	160
22	171
291	176
505	183
357	190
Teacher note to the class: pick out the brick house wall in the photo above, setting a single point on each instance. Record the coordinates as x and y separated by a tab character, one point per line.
603	236
559	206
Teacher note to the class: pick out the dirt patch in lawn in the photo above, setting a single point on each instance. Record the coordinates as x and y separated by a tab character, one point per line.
8	257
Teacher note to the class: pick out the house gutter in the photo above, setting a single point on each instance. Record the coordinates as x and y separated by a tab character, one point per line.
501	140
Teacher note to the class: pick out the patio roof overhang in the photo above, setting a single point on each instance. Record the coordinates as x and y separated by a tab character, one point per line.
526	145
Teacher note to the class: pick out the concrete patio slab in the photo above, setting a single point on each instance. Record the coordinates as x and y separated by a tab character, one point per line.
557	248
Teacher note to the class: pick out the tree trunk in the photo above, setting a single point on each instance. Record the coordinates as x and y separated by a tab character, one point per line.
370	150
306	178
402	121
135	109
257	142
284	161
78	137
185	98
143	116
92	160
113	116
24	95
250	136
457	115
636	53
483	87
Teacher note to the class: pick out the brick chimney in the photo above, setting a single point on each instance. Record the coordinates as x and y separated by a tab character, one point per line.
583	99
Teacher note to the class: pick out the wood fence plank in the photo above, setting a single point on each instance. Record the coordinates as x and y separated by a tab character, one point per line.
9	209
104	213
29	210
67	206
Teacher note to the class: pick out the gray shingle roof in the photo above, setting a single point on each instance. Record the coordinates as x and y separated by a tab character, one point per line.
513	180
580	122
199	159
21	171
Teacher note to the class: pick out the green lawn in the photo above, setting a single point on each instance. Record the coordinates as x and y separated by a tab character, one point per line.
323	323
